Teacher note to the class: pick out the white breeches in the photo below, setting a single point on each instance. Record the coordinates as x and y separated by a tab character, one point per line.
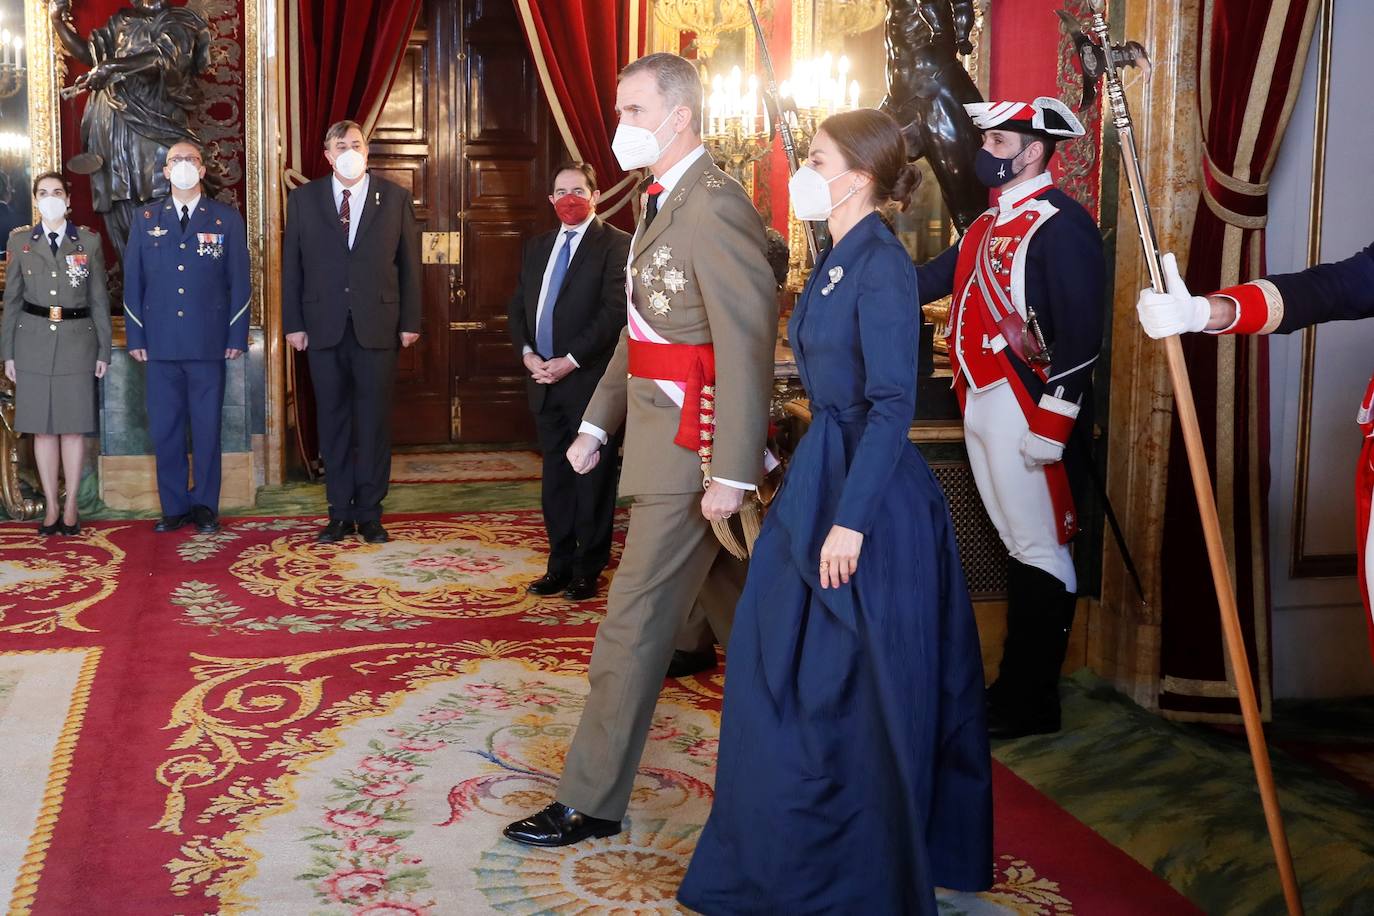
1016	497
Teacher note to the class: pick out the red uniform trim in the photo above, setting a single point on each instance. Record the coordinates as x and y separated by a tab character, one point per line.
1051	425
1252	307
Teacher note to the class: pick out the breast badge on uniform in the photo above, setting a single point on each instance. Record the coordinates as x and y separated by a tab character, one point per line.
157	232
672	280
210	244
78	268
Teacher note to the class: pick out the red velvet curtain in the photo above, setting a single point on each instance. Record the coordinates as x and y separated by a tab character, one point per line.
1251	60
342	57
579	47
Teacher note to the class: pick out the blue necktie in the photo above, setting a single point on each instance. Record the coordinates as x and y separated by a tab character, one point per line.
543	332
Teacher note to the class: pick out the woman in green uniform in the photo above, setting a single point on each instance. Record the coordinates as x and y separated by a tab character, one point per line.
55	341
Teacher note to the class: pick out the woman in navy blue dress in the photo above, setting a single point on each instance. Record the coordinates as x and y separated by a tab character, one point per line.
854	774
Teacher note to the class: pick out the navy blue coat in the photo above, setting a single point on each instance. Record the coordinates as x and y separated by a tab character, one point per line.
1342	291
854	773
187	296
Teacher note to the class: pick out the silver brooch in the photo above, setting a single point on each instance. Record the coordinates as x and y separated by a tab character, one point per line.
836	275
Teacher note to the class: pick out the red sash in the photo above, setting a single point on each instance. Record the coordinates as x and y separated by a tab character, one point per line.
694	367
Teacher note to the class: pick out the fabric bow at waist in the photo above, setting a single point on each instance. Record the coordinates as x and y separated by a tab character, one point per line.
694	367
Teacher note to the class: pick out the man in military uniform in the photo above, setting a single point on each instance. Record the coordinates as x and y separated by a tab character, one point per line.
1025	328
186	296
698	353
1281	304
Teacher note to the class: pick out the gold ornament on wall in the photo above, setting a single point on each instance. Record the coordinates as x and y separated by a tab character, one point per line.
837	18
709	19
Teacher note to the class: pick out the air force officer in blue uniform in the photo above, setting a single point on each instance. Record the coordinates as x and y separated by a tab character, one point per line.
186	297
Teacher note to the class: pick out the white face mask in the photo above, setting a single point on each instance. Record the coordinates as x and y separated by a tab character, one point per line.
53	209
185	176
350	165
809	191
637	147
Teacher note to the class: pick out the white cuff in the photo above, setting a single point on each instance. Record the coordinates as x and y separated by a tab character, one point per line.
573	360
527	351
734	483
593	430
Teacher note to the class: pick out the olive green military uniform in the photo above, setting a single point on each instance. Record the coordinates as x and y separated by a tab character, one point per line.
54	358
698	275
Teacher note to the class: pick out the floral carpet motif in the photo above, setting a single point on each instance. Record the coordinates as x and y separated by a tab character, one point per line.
266	724
465	467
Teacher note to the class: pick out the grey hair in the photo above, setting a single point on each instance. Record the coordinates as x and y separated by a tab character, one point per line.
340	129
677	79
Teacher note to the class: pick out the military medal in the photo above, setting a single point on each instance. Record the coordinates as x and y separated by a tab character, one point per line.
210	243
157	232
78	268
674	280
658	303
662	255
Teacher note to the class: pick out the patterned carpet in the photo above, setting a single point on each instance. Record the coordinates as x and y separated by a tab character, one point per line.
250	722
464	467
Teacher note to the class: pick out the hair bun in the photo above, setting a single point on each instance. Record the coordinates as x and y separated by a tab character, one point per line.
908	180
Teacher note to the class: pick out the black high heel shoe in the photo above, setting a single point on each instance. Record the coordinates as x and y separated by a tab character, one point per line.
71	530
50	530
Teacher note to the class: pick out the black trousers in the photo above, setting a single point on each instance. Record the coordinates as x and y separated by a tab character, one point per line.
353	414
579	509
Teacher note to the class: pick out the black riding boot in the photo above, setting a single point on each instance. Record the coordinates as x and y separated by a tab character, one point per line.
1025	699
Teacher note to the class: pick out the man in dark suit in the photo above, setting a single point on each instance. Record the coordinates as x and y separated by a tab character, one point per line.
565	319
350	295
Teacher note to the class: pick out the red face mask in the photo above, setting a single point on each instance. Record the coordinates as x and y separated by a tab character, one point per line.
572	209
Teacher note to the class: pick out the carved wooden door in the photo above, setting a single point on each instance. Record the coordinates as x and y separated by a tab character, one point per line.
467	129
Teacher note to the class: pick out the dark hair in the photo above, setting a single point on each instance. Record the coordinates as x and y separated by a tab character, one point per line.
66	185
872	143
339	129
186	141
677	79
1046	140
568	165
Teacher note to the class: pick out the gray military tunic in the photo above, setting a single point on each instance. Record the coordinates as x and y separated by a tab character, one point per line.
55	359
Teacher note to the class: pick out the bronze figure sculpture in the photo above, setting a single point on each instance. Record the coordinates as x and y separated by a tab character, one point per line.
927	88
143	85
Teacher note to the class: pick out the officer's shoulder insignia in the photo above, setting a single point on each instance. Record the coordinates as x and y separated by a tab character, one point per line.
18	229
714	181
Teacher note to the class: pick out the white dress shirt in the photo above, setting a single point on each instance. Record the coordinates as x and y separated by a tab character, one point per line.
60	229
357	197
190	206
561	239
668	180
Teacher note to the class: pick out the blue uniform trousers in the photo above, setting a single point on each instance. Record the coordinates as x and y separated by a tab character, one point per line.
179	391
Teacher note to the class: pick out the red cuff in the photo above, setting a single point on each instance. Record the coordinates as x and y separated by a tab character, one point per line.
1259	307
1054	418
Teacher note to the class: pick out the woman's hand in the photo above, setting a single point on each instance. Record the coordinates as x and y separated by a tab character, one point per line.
840	556
101	367
9	370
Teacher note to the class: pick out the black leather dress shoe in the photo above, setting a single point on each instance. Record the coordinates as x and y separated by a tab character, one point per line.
205	520
373	532
548	584
559	825
686	664
581	588
170	523
335	531
1004	726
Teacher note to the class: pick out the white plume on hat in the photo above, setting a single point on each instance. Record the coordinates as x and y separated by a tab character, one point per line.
1046	115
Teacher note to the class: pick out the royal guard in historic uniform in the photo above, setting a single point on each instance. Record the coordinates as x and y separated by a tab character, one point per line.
1025	327
1280	304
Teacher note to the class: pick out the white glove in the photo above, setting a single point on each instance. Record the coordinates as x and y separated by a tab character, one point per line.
1175	312
1037	450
